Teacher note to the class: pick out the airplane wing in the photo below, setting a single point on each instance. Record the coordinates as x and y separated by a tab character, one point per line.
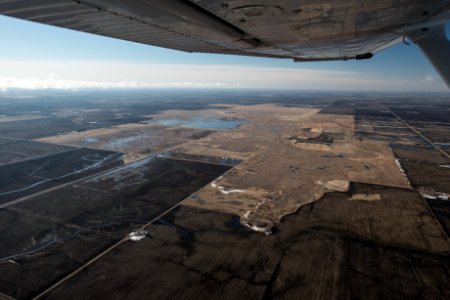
311	30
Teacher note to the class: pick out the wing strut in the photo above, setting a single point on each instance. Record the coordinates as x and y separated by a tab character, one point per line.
436	46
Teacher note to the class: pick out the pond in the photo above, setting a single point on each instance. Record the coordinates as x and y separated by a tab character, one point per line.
203	122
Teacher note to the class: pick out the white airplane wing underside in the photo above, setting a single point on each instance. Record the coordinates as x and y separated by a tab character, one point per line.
309	30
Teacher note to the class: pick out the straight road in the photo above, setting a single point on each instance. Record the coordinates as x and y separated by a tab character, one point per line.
418	133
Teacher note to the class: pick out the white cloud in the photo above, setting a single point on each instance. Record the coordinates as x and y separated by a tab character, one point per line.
41	84
95	74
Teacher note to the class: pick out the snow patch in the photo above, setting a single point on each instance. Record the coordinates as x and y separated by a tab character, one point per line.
402	170
223	190
259	226
138	235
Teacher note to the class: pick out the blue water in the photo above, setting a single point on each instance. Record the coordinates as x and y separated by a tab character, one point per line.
203	123
169	122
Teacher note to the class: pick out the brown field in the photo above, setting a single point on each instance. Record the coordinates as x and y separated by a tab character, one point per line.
4	119
289	155
441	210
135	140
331	249
53	233
343	193
277	174
435	177
429	155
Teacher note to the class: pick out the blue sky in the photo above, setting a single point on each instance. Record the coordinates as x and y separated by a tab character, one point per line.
44	55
